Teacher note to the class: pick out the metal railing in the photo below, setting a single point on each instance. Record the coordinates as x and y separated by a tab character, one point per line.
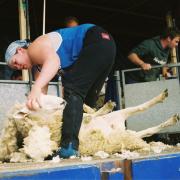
123	77
30	82
177	65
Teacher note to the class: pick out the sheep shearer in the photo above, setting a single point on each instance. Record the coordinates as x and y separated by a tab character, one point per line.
83	55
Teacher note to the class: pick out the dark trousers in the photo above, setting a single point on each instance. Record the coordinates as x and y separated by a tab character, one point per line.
84	80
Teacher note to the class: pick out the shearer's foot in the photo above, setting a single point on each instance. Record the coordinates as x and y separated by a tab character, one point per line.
67	152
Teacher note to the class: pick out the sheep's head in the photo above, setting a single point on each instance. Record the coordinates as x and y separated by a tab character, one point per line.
49	102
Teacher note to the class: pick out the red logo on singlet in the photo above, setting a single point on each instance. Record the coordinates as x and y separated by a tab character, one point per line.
105	36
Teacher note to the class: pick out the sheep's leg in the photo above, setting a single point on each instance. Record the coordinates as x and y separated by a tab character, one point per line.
108	107
142	107
88	109
150	131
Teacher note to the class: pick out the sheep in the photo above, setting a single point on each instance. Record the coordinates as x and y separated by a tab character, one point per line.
101	130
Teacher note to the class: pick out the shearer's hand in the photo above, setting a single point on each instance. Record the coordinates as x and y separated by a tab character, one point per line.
33	102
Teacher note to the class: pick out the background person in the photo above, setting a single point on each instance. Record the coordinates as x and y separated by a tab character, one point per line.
17	75
154	51
71	21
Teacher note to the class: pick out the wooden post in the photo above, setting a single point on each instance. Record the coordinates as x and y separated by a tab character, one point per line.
23	30
128	169
170	24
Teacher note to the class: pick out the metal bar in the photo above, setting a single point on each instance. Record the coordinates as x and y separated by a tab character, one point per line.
177	54
14	82
3	63
122	89
44	16
171	24
22	82
153	67
30	80
58	88
118	88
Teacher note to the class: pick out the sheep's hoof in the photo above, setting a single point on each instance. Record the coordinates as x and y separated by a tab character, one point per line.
176	117
171	121
165	92
110	104
164	95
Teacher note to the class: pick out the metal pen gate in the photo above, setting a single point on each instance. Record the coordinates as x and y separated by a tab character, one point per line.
137	93
12	91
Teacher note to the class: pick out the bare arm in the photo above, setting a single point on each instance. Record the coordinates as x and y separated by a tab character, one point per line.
45	89
48	71
134	58
42	52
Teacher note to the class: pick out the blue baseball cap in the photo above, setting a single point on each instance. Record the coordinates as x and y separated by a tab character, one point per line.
11	50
